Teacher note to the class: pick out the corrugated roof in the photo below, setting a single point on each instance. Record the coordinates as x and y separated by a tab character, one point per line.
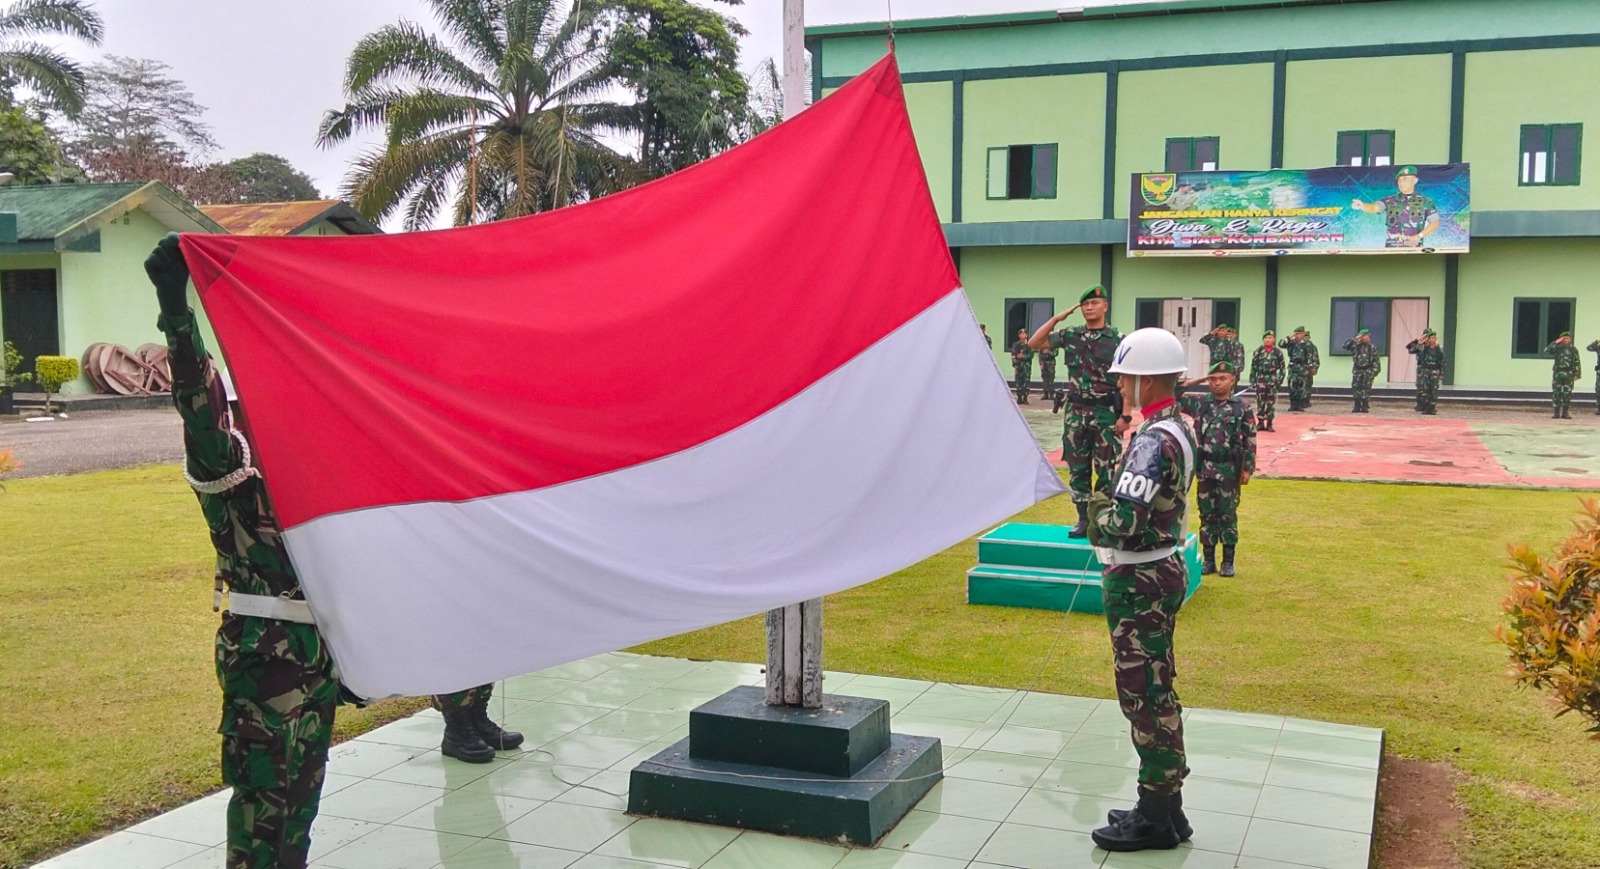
45	211
269	218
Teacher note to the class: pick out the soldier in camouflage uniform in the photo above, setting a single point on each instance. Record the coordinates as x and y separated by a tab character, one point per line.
279	689
1430	371
1364	368
1224	345
1568	365
1047	374
1266	377
469	735
1594	347
1093	426
1408	216
1303	364
1226	431
1021	365
1140	529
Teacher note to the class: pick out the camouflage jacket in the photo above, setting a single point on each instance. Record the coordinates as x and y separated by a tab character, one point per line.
1429	357
251	557
1594	347
1088	356
1364	357
1148	497
1568	363
1407	215
1047	358
1303	357
1226	432
1020	354
1266	367
1224	350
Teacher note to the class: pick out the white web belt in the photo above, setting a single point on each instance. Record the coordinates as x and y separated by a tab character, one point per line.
265	607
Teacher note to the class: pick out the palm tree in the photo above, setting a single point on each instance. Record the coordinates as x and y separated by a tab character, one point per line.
52	74
503	114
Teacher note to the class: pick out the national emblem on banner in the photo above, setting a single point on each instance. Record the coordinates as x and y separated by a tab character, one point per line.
1158	189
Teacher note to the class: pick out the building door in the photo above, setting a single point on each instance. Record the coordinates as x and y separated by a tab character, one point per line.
30	316
1190	320
1407	319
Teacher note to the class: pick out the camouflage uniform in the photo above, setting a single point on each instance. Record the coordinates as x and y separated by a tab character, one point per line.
1226	432
1365	367
1303	360
1406	216
279	690
1266	376
1047	371
1430	374
1568	366
1223	349
1141	601
1022	367
1594	347
1089	443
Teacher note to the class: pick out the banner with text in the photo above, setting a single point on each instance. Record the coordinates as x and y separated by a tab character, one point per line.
1339	210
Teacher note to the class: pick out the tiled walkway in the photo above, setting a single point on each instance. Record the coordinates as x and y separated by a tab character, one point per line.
1027	777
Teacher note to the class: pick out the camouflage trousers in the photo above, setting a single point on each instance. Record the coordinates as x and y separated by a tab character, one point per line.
1361	390
1299	389
1561	396
1091	448
1141	607
1219	511
1047	374
461	699
1023	374
1266	404
1428	390
278	701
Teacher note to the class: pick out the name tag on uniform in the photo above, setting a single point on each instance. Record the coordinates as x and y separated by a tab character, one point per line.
1141	470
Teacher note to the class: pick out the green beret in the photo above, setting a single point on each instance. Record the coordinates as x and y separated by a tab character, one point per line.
1223	368
1565	335
1429	333
1363	332
1299	328
1221	327
1094	292
1406	170
1269	334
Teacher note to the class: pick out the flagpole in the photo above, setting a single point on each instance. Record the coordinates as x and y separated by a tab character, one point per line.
794	632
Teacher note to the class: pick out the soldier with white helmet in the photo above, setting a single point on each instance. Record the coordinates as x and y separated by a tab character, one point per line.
1139	528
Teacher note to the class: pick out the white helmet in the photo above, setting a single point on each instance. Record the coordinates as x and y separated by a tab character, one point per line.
1150	351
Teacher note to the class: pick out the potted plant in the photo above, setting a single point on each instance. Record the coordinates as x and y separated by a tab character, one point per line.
10	361
53	373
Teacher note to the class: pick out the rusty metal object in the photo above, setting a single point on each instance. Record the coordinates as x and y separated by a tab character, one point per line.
116	370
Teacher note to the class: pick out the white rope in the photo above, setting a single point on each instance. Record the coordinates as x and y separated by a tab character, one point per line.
217	487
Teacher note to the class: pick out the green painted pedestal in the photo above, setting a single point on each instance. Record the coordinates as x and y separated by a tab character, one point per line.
1040	567
832	773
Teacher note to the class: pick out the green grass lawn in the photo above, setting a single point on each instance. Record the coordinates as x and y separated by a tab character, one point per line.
1358	603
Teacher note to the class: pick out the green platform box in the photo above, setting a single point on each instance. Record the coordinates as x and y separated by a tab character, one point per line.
1040	567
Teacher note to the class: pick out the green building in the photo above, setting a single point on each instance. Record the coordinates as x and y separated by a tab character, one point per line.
1031	126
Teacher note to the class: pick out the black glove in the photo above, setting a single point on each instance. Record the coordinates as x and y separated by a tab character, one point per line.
170	274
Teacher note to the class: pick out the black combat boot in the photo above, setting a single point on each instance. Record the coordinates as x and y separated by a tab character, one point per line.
462	740
1227	559
1555	414
1209	566
493	735
1180	821
1061	399
1270	428
1148	827
1566	413
1082	528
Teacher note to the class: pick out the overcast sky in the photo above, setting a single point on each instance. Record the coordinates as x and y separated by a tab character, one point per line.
266	71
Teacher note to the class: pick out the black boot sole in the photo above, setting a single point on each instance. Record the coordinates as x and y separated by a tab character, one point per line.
1185	832
465	756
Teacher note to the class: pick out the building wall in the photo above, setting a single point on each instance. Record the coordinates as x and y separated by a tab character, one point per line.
932	108
1498	271
1326	97
1506	89
1307	287
992	275
1190	278
1041	110
1231	102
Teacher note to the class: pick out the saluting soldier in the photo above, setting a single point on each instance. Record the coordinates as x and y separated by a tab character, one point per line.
1140	528
1303	364
1223	342
1594	347
279	689
1047	373
1563	374
1430	371
1226	432
1021	365
1364	368
1092	427
1266	377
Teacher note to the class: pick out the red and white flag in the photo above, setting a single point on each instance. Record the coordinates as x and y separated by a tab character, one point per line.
500	448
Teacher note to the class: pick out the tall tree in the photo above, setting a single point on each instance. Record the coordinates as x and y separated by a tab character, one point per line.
30	151
25	61
681	61
136	104
503	114
270	178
